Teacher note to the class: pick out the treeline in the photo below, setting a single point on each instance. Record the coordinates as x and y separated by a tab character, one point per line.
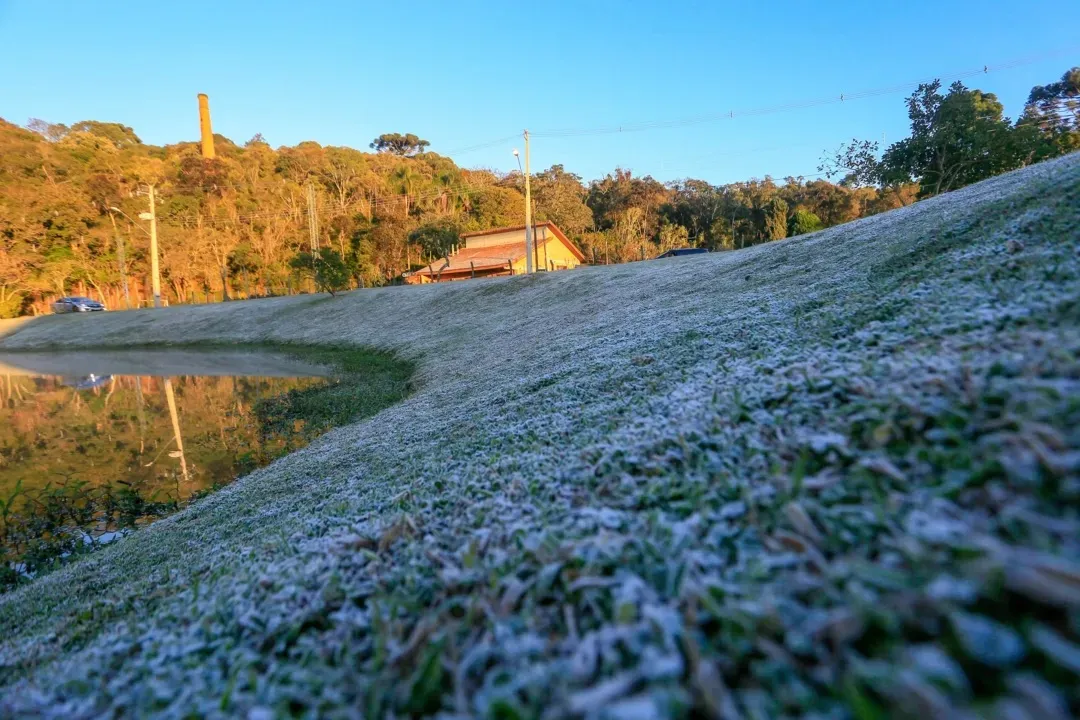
234	226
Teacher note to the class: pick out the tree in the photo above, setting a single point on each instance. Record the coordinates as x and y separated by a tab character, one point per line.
1058	102
856	163
774	218
956	139
494	205
559	197
436	239
119	135
242	263
50	131
342	172
699	207
610	198
802	222
397	144
671	237
328	269
1050	125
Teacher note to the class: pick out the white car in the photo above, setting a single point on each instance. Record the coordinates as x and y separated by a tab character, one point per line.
77	304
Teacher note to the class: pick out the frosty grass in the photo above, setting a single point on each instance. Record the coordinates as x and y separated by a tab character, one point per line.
834	476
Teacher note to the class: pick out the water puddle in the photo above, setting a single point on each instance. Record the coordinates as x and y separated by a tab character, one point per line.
94	444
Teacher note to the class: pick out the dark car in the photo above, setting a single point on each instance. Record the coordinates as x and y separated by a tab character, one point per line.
77	304
682	251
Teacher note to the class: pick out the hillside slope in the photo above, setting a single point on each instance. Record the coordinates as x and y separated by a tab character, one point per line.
832	474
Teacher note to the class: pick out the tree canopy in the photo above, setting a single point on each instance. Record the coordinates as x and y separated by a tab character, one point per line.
327	268
962	136
405	145
230	227
436	239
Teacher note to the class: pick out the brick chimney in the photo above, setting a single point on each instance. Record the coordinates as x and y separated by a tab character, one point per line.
204	126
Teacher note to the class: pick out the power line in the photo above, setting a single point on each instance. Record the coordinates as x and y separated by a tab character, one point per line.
1051	111
817	102
481	146
458	189
374	201
322	209
1060	104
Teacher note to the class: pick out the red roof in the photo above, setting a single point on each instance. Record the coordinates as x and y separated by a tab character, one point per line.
546	224
468	259
480	258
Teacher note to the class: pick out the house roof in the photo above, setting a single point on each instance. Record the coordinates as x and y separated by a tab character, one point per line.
516	228
493	256
484	258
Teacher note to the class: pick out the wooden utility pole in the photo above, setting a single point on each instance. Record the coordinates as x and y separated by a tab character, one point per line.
313	221
528	212
544	248
154	268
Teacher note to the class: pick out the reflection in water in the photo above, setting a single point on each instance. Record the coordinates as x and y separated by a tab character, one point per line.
166	437
171	397
89	450
83	459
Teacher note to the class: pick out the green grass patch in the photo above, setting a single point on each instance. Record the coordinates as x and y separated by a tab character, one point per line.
365	382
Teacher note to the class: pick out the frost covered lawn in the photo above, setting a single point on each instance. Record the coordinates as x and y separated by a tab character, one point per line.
835	476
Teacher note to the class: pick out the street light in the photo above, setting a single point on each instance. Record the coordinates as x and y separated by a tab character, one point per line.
155	272
142	216
529	241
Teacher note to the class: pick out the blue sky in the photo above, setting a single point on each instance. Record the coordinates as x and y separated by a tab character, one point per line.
465	73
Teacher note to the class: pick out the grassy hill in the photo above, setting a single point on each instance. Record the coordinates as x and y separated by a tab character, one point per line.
837	474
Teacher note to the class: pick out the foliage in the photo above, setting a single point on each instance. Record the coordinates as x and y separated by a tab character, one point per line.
956	139
559	197
119	135
43	529
1054	110
774	218
436	239
803	221
1050	100
962	136
327	268
230	226
856	162
398	144
672	236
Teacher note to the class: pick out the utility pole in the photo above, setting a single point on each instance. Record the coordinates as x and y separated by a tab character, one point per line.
528	212
121	259
545	251
313	221
154	269
313	230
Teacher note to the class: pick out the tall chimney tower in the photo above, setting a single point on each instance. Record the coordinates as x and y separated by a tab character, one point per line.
204	126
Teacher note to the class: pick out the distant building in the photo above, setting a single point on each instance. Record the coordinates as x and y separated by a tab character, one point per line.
501	252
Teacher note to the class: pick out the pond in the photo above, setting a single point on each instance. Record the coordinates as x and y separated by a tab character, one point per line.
96	444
